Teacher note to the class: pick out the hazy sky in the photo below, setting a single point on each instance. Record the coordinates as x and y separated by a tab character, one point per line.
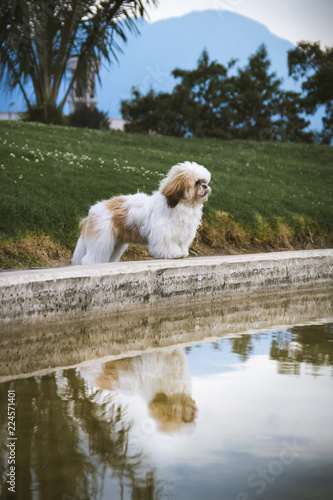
294	20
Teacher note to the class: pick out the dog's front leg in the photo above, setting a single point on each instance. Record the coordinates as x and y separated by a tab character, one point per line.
167	251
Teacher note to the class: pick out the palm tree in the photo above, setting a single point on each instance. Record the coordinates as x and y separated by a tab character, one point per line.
40	37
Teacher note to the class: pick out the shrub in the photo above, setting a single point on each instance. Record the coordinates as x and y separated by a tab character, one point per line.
49	114
86	117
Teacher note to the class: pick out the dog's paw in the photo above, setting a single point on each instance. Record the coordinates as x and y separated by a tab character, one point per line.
180	256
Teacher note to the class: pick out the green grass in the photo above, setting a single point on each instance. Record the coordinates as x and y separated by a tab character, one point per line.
50	175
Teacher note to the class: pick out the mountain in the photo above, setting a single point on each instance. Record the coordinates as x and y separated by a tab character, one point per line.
148	59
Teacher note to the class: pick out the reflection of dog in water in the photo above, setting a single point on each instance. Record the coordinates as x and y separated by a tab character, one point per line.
162	378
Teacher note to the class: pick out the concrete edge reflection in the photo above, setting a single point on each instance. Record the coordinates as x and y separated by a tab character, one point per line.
36	351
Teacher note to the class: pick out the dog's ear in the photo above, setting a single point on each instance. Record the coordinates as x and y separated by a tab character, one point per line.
172	200
174	188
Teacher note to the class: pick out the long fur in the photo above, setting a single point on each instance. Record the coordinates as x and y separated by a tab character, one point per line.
166	221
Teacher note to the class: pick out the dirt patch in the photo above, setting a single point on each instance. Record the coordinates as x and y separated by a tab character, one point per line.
223	235
33	251
219	236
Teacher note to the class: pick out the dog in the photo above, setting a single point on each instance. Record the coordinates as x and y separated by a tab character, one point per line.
161	380
166	221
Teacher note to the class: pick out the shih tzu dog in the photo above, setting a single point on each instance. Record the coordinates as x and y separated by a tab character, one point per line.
161	380
166	221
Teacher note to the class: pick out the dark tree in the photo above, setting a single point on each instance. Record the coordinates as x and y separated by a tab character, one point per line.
152	113
210	102
255	99
197	106
315	66
291	124
203	97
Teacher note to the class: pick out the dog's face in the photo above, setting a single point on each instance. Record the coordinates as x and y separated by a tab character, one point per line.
186	182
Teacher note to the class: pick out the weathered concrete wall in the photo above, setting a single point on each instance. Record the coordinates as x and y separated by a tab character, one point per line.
38	349
47	295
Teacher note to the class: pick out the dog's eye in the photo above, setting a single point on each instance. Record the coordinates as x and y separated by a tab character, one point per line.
197	183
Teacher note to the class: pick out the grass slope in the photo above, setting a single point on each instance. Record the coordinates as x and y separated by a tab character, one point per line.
263	193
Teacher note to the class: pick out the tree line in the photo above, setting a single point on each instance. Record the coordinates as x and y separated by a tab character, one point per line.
38	39
222	101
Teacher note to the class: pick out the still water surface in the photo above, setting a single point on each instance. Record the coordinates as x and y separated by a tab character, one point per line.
239	418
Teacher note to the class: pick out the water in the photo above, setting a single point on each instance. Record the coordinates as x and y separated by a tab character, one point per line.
244	416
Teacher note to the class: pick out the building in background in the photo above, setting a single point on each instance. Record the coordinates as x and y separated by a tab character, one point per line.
81	94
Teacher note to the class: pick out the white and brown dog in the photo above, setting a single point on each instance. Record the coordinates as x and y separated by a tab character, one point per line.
166	221
161	379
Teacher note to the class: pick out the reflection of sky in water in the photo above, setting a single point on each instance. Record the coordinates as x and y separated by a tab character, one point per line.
263	426
257	432
248	415
218	357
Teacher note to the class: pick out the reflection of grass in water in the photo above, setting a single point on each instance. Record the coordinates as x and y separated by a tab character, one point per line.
270	193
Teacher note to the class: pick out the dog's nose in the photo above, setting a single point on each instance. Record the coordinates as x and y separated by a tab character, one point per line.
206	190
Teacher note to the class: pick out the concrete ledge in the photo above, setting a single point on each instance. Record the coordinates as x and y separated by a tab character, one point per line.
39	349
46	295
